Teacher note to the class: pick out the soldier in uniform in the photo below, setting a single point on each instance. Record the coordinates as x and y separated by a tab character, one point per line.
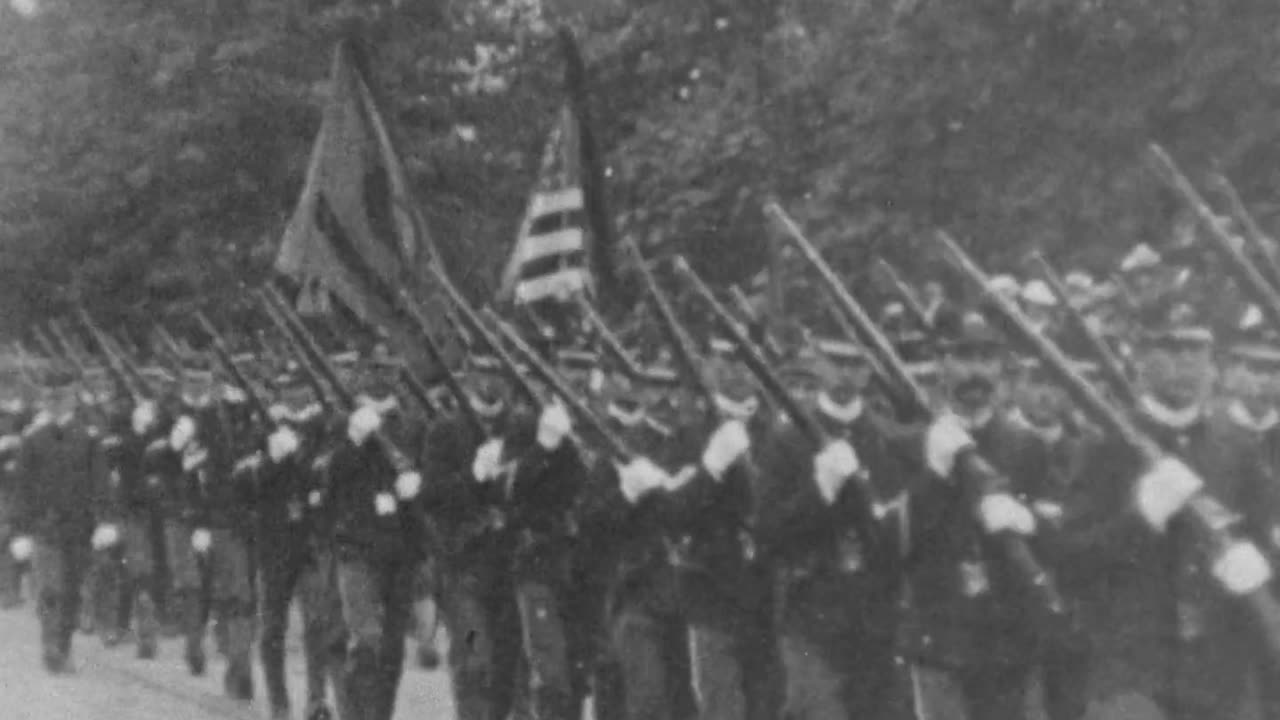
13	418
54	521
287	513
376	552
834	577
724	587
625	532
463	465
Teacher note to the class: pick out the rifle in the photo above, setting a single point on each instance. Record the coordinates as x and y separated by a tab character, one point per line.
323	394
1244	272
305	345
905	293
751	354
1204	512
139	391
223	354
1112	366
46	346
969	464
686	353
1253	232
614	444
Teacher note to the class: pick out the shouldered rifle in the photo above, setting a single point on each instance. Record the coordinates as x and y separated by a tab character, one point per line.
686	353
136	390
223	354
46	346
1112	366
323	394
552	379
753	357
905	293
1244	272
1261	243
969	464
307	345
753	320
1204	512
419	318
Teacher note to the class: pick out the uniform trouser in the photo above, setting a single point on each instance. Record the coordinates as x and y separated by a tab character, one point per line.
546	649
377	601
57	568
10	575
991	692
185	603
652	653
288	567
484	642
1064	679
845	676
105	591
231	598
735	670
139	598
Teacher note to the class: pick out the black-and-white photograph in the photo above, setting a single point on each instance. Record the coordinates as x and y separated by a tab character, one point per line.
639	359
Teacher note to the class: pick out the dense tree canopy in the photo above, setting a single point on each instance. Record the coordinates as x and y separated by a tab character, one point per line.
150	152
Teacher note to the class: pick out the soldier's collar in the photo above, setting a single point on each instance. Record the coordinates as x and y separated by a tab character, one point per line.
843	413
626	417
735	409
1242	416
1050	433
1171	418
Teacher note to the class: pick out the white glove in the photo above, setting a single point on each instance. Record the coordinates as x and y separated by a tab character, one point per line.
641	476
680	479
21	548
488	461
282	443
143	417
278	412
363	423
104	536
201	540
832	468
728	443
1047	510
945	439
1001	512
384	504
1164	490
408	484
1241	569
182	432
10	442
554	426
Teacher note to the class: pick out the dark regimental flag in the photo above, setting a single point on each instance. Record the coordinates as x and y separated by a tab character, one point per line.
356	234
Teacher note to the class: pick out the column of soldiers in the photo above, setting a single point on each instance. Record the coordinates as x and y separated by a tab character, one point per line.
790	544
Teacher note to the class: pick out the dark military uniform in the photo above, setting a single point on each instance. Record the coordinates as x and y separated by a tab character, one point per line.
376	555
478	593
726	591
624	547
10	450
291	564
57	466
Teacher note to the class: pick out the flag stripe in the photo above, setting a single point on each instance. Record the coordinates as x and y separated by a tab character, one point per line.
560	242
562	200
561	283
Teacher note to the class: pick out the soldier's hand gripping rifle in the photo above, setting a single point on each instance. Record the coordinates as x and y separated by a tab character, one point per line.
753	357
1112	366
757	324
304	343
616	447
227	360
1208	517
970	465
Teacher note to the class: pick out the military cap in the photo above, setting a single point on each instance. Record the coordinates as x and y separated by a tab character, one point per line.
1141	257
735	388
1037	292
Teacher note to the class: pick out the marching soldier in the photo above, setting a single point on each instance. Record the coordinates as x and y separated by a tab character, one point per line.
14	418
287	506
54	523
463	466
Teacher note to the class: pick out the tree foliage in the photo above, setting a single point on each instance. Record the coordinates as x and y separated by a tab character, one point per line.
150	152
